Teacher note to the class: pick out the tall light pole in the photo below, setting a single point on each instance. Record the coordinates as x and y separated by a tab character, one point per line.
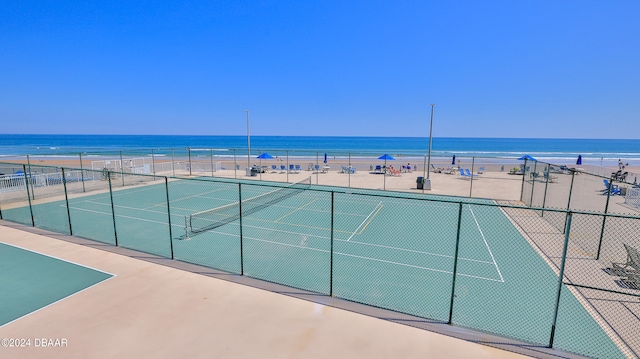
427	184
248	141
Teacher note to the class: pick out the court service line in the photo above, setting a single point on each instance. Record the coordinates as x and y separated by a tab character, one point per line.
375	211
119	215
372	259
486	244
297	209
360	243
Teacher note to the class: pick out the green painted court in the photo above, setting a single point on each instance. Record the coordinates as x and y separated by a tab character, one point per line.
31	281
394	253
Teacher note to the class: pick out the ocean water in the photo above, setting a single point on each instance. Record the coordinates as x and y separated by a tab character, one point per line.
596	151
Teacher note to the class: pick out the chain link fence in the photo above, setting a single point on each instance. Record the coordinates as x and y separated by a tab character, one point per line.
549	274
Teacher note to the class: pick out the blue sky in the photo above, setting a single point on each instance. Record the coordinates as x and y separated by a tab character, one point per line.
549	69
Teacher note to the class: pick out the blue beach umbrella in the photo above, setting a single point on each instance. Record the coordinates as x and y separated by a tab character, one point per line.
453	161
386	157
527	157
579	161
325	158
265	156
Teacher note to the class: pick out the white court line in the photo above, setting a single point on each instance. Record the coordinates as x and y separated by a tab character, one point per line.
358	243
119	215
63	298
371	259
486	244
365	220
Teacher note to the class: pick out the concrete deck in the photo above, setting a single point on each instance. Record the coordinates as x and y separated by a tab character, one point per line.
152	310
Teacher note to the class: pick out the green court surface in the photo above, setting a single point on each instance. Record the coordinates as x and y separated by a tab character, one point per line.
394	253
31	281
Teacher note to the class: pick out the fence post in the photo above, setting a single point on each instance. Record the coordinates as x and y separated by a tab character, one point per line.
235	164
26	184
604	218
66	200
523	181
546	186
113	209
166	184
533	181
211	160
173	161
473	160
33	192
455	264
82	173
349	173
189	154
153	164
122	168
331	253
573	175
240	210
567	232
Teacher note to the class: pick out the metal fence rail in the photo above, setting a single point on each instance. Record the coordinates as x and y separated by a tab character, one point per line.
538	274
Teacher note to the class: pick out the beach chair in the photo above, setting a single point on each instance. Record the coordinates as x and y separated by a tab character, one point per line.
274	168
463	175
469	174
632	264
298	169
292	169
481	170
614	188
316	168
378	169
393	172
549	178
283	169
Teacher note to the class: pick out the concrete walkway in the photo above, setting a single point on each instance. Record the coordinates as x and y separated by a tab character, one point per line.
154	311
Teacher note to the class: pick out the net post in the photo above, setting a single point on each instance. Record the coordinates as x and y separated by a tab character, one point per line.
186	228
455	264
567	233
166	184
113	209
331	253
66	200
240	218
26	184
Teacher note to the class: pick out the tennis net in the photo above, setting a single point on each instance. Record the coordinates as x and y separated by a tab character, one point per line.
213	218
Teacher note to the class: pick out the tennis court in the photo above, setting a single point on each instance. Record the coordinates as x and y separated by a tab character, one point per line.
395	253
31	281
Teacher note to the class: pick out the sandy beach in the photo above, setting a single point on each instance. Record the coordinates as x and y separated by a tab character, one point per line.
492	179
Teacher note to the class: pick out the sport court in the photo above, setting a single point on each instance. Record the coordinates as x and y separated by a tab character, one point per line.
31	281
395	253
